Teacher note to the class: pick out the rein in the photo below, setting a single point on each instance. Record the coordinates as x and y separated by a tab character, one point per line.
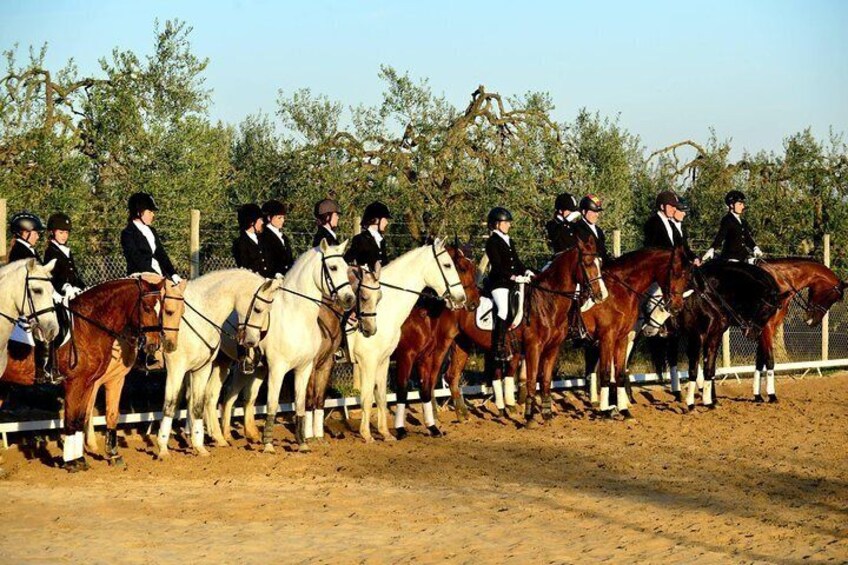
27	300
798	299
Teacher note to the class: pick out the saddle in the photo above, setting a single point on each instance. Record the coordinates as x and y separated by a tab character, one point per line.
485	314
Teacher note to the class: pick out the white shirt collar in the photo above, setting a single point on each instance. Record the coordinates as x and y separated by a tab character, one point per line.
329	229
737	216
667	223
63	248
503	236
678	225
276	232
592	226
253	237
24	243
378	237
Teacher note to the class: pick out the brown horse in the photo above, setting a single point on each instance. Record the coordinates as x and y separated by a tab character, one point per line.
110	322
628	279
793	275
419	338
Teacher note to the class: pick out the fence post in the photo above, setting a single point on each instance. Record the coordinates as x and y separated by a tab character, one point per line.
3	233
825	326
725	349
616	243
194	244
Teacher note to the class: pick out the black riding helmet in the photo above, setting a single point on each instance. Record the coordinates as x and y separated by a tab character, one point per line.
498	214
274	208
565	201
375	211
733	197
667	198
59	221
591	202
139	202
25	221
248	214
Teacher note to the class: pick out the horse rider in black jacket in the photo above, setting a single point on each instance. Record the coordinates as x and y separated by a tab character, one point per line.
560	228
247	250
327	214
66	276
586	227
276	245
369	246
734	236
142	247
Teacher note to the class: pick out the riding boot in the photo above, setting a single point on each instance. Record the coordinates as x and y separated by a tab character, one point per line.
43	362
576	326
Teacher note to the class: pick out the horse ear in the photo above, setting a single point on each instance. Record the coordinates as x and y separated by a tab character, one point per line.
438	243
323	245
344	245
378	268
49	266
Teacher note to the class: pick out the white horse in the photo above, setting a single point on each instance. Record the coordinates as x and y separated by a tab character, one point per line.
26	292
294	336
401	281
216	303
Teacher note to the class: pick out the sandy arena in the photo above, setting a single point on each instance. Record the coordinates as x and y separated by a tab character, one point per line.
744	483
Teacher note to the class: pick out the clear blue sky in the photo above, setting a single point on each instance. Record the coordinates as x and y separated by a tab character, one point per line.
755	70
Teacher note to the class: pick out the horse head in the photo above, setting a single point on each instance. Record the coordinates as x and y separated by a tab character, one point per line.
256	316
366	285
147	319
173	307
331	276
590	275
37	299
823	294
467	271
678	280
441	275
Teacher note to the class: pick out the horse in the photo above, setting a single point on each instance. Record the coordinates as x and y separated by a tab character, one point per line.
366	285
26	293
293	338
418	337
729	294
611	323
794	275
110	322
402	281
235	297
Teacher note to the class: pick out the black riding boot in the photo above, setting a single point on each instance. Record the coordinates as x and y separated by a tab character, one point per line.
576	326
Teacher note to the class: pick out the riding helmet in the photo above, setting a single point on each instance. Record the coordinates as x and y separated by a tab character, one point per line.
327	206
248	214
375	211
565	201
733	197
25	221
141	201
498	214
591	202
59	221
682	205
274	208
667	198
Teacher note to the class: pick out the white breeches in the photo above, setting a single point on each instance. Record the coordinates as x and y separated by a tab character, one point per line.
500	296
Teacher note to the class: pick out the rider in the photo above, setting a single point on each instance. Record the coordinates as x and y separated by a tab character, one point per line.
369	246
27	228
560	229
506	270
143	250
679	214
66	277
734	234
591	208
659	229
246	249
327	214
276	245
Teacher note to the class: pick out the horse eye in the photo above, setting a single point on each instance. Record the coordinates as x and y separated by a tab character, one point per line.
256	310
37	291
334	268
447	266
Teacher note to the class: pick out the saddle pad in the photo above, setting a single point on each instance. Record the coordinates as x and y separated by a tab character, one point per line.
484	317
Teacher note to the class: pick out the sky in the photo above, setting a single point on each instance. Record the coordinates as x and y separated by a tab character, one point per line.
756	71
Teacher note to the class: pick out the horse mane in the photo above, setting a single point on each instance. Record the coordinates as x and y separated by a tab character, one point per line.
632	259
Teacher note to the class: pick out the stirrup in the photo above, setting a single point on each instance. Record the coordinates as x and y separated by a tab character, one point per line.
247	367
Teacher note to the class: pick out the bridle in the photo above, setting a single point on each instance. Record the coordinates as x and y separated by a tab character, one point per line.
27	300
448	285
239	328
358	307
328	287
805	303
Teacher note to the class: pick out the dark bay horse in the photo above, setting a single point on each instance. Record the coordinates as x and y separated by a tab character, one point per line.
728	294
111	322
610	324
794	275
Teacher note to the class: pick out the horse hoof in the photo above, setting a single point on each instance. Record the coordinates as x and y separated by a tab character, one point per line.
772	399
435	431
511	408
607	415
117	462
221	442
303	448
163	454
678	396
758	399
269	448
531	424
690	407
401	433
627	415
711	406
388	437
201	452
71	466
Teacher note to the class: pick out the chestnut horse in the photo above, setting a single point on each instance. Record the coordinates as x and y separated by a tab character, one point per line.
111	321
628	279
792	276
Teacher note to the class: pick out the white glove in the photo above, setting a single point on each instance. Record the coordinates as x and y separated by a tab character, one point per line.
58	298
708	255
521	279
573	217
757	251
70	291
529	274
176	279
751	260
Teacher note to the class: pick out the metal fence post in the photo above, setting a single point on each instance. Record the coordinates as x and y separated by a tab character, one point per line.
825	326
616	243
3	233
194	244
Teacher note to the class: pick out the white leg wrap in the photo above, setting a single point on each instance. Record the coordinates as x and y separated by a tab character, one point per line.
622	402
700	379
708	393
675	379
593	387
497	386
79	444
69	445
429	419
770	382
318	423
690	393
509	391
308	424
165	431
197	433
604	398
756	383
400	415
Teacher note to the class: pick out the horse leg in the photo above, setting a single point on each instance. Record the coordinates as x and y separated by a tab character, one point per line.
712	344
531	360
320	382
382	383
694	353
404	363
604	375
304	427
767	342
234	389
212	394
197	407
76	403
277	370
367	375
173	387
673	359
113	388
458	360
90	435
622	378
548	363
